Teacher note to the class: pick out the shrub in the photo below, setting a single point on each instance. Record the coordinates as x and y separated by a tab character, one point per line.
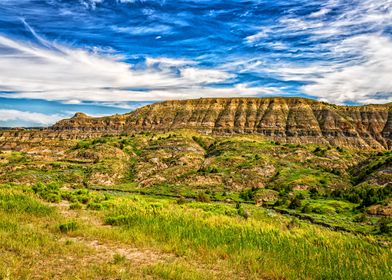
248	195
94	206
300	195
281	201
118	220
118	258
292	224
181	200
385	225
14	202
203	197
307	208
360	219
75	206
50	192
295	203
208	170
243	213
67	227
319	152
84	144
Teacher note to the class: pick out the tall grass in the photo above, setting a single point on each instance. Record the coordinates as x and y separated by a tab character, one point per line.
255	246
13	201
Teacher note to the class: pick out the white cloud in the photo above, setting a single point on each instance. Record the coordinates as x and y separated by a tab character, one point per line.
34	119
166	61
142	30
320	13
90	3
204	76
368	81
256	37
365	79
367	14
56	72
347	55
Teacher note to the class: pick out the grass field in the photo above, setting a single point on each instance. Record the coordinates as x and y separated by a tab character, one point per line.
183	205
48	232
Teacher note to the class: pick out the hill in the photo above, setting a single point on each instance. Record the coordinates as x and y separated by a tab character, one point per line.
295	120
278	188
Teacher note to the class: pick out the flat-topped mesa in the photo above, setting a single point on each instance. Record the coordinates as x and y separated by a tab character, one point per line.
294	120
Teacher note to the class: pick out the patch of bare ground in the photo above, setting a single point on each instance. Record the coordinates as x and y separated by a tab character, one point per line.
100	252
106	251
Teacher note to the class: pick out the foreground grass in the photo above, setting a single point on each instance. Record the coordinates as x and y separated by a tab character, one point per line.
254	246
187	240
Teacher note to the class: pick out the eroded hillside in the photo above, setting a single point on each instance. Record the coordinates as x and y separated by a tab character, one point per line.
293	120
313	180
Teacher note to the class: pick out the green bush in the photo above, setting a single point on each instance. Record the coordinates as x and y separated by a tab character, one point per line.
50	192
307	208
118	220
295	203
94	206
243	213
208	170
281	201
319	152
203	197
181	200
67	227
75	206
385	225
248	194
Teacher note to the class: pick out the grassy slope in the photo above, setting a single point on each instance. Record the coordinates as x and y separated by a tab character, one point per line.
167	234
140	237
232	168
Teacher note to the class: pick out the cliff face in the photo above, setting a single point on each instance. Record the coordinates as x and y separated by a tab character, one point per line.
294	120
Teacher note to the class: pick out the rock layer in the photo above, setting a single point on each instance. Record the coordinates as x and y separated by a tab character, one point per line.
293	120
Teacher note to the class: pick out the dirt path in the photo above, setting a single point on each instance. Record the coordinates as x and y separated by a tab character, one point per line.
107	250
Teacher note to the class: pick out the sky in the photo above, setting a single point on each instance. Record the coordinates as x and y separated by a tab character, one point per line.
102	57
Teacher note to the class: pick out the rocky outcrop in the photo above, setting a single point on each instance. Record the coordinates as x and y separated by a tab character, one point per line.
293	120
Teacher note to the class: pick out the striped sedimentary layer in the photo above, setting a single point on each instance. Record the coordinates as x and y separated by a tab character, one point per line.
294	120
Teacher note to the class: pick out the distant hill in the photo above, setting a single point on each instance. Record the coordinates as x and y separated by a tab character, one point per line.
294	120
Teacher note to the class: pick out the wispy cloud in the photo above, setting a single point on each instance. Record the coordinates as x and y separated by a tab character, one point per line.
110	52
56	72
30	118
257	36
344	56
368	81
143	30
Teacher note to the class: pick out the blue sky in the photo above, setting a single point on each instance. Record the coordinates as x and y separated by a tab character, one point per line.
111	56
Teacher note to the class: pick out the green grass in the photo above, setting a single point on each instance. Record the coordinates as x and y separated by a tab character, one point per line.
255	245
192	197
14	202
204	240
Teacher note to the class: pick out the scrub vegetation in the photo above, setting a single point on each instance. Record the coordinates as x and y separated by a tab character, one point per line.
182	205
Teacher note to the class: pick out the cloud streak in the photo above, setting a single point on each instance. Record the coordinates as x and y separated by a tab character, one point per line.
105	52
30	118
56	72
